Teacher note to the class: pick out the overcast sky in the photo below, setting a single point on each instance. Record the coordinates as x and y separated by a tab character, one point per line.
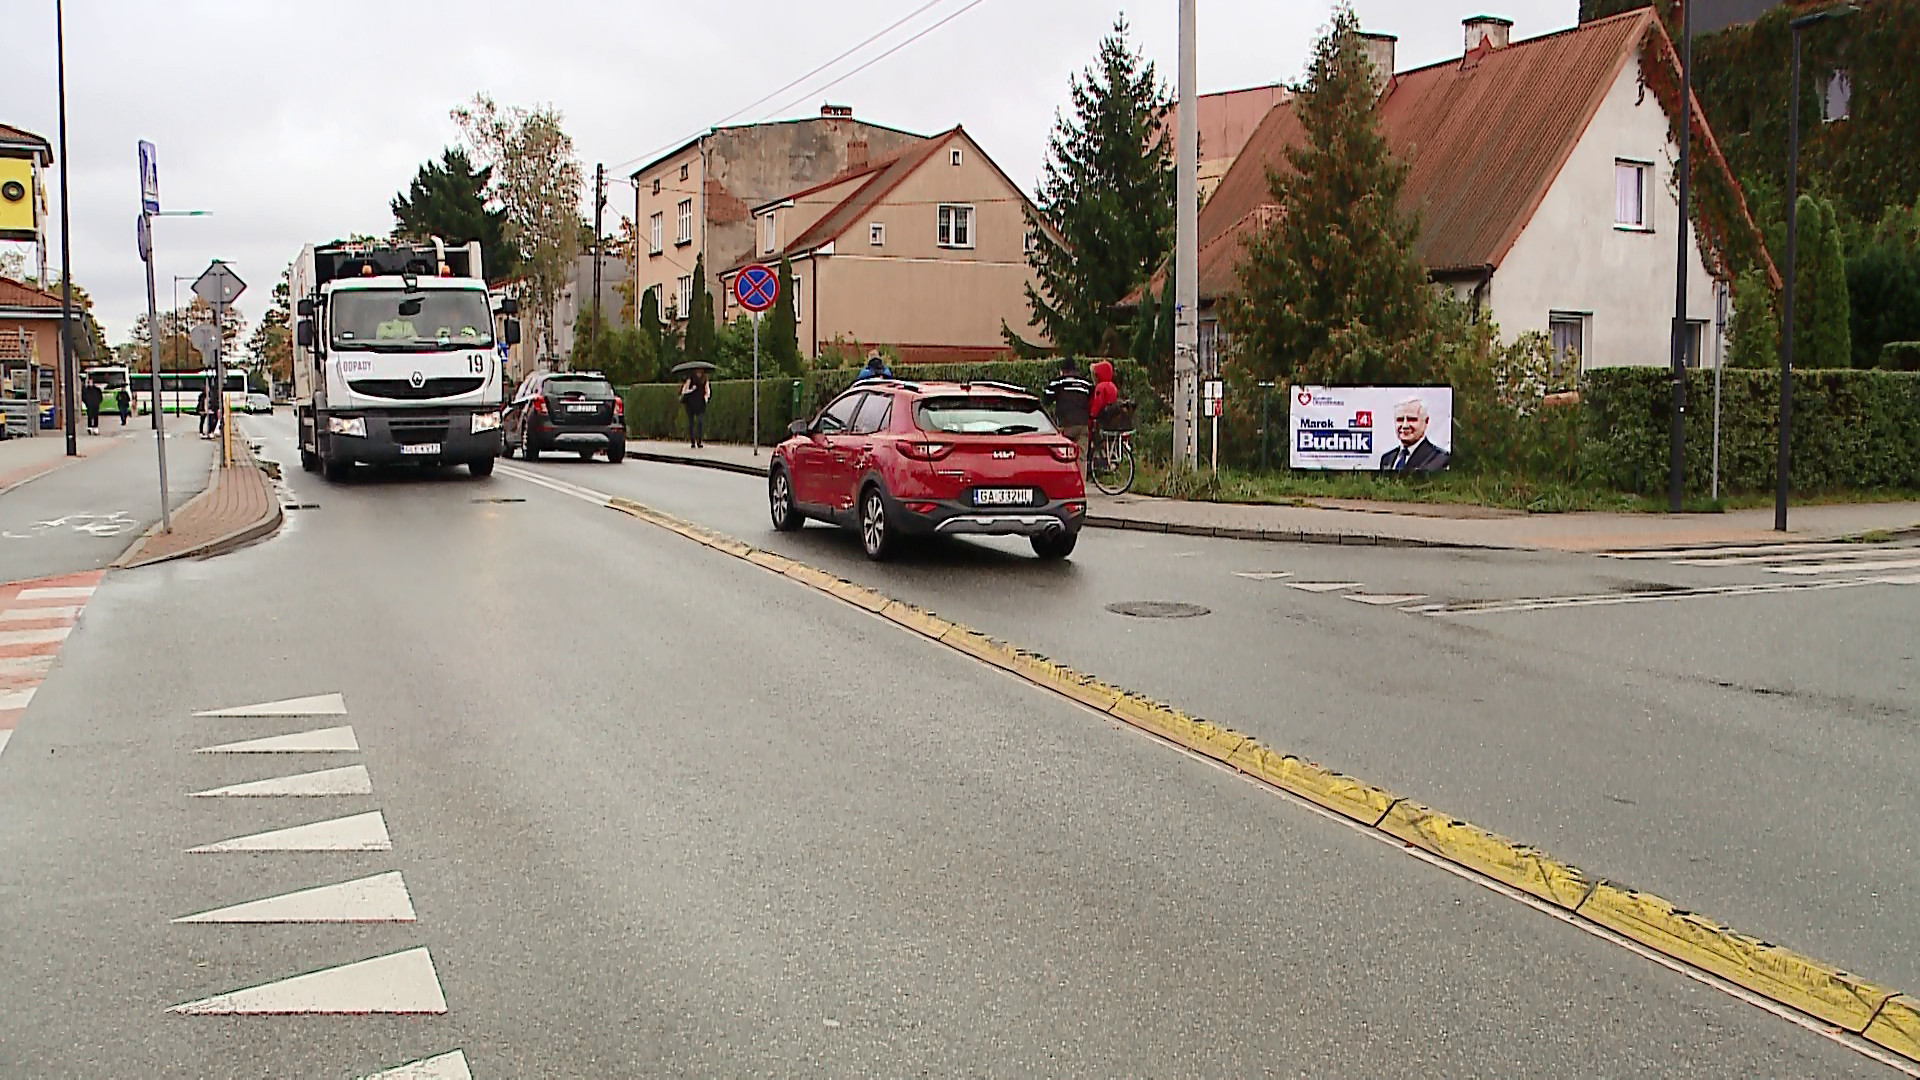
296	122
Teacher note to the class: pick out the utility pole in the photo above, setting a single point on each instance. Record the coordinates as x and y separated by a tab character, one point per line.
1677	450
1186	248
599	207
68	373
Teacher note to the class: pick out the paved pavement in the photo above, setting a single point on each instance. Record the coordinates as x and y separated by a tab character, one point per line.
23	459
1355	522
238	506
84	515
656	812
1733	736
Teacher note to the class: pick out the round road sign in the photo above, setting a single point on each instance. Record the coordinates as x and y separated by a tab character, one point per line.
756	287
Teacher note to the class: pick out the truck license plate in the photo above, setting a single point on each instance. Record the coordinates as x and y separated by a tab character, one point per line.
1002	497
421	448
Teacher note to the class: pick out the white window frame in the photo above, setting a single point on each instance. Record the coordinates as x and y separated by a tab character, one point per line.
954	156
1840	82
798	280
769	232
684	295
952	219
1581	321
683	223
656	232
877	233
1643	172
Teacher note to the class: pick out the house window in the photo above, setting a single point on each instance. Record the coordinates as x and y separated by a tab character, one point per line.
796	292
766	233
956	226
1630	195
1696	341
876	234
683	172
683	218
1568	332
656	230
953	156
656	185
1836	98
685	304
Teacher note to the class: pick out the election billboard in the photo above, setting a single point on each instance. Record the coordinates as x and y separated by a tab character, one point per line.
1373	428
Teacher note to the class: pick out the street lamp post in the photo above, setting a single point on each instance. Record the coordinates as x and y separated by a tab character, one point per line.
1676	453
67	370
1782	478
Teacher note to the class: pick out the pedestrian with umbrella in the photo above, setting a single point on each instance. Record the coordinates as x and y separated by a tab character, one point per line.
695	392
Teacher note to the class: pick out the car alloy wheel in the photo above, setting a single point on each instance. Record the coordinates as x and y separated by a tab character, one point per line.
875	535
786	516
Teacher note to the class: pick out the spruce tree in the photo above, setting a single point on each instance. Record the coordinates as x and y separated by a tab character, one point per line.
1822	334
780	337
1834	329
700	328
448	199
1330	290
1105	199
649	324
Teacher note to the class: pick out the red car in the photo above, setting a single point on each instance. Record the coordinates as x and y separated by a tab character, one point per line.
897	459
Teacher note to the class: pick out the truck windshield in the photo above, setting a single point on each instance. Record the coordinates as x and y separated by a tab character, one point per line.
402	321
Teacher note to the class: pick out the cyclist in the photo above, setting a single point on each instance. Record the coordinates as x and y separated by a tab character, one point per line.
1071	396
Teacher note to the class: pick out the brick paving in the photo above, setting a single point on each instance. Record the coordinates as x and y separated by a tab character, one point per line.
35	619
1359	522
238	504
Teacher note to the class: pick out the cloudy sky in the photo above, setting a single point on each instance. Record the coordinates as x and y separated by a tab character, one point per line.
295	122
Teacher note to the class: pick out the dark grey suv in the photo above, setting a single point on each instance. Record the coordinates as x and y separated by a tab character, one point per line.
566	410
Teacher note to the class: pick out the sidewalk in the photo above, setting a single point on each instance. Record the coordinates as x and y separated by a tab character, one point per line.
1418	525
238	506
22	460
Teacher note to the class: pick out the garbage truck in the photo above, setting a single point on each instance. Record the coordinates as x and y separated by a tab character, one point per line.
396	358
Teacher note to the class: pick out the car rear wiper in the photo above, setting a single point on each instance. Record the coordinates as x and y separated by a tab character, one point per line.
1017	429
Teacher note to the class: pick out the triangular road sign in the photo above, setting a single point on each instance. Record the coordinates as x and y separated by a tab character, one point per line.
358	832
317	705
334	740
347	780
445	1067
402	983
380	898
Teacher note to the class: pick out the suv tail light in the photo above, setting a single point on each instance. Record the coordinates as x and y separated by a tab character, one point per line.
927	451
1068	452
539	403
619	408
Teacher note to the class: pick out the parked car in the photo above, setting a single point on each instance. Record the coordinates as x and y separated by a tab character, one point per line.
259	403
566	410
895	459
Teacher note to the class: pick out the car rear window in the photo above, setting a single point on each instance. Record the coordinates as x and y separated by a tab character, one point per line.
982	416
596	389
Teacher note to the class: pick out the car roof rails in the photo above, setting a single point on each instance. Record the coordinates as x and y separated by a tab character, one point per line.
901	383
998	386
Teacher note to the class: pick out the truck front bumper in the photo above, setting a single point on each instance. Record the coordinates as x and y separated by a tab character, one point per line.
436	436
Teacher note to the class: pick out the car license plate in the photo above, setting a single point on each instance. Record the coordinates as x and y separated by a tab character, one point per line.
583	408
1002	497
421	448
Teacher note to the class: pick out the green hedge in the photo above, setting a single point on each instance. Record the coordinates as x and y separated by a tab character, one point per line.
1851	429
654	412
1900	356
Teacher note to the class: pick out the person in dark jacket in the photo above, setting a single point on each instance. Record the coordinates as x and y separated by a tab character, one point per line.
876	368
1071	397
694	395
126	404
91	396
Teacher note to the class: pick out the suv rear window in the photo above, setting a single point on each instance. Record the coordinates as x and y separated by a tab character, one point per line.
982	416
578	386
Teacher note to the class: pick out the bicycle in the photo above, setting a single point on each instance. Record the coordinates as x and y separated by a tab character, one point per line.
1111	468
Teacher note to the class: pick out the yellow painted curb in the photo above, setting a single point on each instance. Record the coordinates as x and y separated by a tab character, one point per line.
858	595
1780	974
1898	1026
980	646
1338	792
1494	855
916	619
779	564
1065	680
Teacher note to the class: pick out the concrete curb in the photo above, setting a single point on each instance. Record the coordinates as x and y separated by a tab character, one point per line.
1880	1015
265	525
703	463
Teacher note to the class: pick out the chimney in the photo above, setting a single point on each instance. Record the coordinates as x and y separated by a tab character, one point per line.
1489	30
1380	50
838	112
857	155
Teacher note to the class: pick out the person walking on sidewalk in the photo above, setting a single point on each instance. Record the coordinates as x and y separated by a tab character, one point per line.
694	394
91	396
126	404
209	417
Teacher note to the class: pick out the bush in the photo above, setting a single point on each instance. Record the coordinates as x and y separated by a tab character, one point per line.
1900	356
1851	429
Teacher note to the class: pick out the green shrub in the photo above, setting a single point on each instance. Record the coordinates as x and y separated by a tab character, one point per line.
1851	429
1900	356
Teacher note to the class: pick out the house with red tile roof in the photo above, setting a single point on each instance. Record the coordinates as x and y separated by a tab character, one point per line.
30	367
1543	173
923	249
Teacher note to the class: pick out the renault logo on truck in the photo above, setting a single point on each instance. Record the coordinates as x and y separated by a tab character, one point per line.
416	380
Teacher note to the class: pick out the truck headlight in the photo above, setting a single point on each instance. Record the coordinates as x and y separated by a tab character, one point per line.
485	421
347	425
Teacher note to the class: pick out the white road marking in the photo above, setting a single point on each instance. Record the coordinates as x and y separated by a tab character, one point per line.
347	780
1847	567
25	666
35	637
598	497
358	832
317	705
1607	599
1710	552
58	592
403	982
1322	586
1386	599
51	611
380	898
444	1067
5	734
333	740
16	699
1903	579
1856	551
1263	575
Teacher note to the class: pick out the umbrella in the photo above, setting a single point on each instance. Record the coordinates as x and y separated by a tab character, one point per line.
692	365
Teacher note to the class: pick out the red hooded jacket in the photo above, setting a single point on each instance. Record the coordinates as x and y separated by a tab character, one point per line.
1105	391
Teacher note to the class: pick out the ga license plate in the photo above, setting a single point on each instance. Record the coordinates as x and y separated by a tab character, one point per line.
421	448
1002	497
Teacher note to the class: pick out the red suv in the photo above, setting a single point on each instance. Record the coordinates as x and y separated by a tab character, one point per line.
895	459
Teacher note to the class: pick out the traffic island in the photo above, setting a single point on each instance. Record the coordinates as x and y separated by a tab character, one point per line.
237	507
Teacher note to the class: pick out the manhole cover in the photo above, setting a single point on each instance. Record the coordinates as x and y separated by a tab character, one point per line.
499	500
1157	609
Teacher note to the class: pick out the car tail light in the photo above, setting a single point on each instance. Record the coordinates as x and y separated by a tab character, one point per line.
1068	452
539	403
923	507
927	451
1076	508
619	408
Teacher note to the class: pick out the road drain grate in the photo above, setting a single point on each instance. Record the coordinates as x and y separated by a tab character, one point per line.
499	500
299	506
1157	609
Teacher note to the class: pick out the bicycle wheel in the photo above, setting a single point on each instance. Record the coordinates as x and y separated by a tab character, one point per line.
1112	470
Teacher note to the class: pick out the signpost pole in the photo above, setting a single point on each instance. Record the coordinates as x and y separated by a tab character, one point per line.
153	342
756	288
219	286
756	384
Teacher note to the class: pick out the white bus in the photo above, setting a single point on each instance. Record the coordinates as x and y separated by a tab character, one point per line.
180	390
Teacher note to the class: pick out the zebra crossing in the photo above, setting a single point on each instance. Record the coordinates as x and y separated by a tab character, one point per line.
1897	564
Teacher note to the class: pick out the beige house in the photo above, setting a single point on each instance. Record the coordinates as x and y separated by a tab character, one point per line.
697	198
924	251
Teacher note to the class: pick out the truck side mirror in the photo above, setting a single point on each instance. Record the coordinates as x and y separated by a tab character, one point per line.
509	306
513	331
303	331
304	309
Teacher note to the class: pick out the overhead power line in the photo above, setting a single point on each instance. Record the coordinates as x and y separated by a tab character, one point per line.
843	78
